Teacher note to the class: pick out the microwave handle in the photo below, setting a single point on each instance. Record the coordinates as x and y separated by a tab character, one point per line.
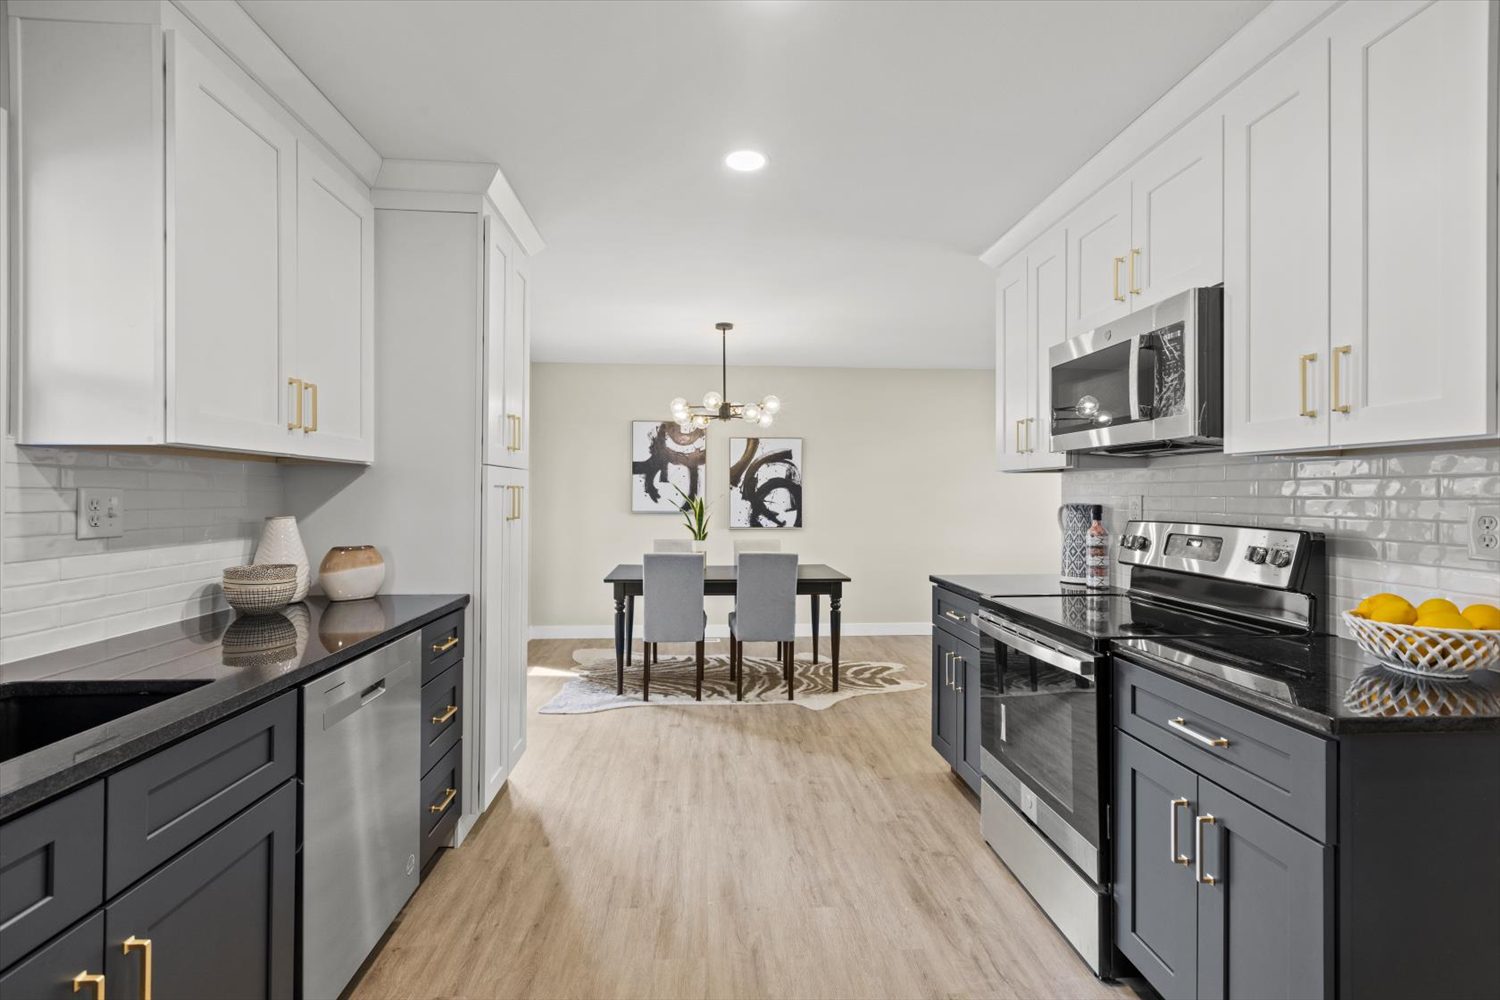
1145	342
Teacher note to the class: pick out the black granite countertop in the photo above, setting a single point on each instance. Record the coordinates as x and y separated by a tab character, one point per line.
186	676
1324	683
982	585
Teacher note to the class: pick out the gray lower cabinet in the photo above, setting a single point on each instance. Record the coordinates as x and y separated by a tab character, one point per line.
944	700
220	917
1214	898
955	704
51	972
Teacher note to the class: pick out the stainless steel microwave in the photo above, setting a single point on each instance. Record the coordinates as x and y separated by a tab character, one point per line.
1150	382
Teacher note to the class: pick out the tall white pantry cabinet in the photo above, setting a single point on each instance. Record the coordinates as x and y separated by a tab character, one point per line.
193	267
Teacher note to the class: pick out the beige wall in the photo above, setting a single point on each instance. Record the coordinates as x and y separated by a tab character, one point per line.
899	482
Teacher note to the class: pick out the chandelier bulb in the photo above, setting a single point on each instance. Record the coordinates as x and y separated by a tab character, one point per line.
751	412
712	400
771	404
766	420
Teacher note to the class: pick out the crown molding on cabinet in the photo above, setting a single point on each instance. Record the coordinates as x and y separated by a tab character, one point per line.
1266	34
444	185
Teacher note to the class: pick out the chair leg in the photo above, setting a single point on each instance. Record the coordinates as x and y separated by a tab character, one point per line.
786	663
646	679
699	693
739	671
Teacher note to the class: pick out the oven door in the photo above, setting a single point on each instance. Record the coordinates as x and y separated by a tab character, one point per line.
1040	739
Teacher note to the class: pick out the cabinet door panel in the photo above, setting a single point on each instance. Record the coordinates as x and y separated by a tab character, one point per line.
516	581
51	869
231	178
499	253
1098	233
1047	298
518	362
1156	921
501	674
335	311
48	973
966	705
944	722
1276	253
1413	196
1263	925
221	917
1177	214
1012	360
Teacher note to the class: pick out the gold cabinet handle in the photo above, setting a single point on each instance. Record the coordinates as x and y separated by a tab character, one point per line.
1200	823
1029	447
515	503
1177	859
954	615
445	645
1020	449
1303	362
447	801
438	720
1134	288
96	978
295	383
144	944
1338	405
1116	272
1180	725
513	421
314	426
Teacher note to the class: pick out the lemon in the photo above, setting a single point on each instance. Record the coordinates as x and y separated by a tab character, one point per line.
1392	609
1444	619
1485	616
1368	603
1435	604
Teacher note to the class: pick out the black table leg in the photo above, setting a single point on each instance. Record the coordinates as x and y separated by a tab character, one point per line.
835	604
815	603
629	627
619	643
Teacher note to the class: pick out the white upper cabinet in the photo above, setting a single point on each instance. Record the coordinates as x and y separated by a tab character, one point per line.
192	272
1177	215
1098	254
507	347
1413	101
1013	373
231	204
1276	253
1047	326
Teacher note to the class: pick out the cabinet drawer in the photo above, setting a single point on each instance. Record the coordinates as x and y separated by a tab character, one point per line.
48	974
442	704
1284	771
51	870
955	613
159	806
442	645
441	801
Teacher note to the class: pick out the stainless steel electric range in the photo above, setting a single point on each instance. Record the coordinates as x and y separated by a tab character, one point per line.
1045	714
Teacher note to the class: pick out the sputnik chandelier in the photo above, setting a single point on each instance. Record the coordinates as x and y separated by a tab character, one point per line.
716	404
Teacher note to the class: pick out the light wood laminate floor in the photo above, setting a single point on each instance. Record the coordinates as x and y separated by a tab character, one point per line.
764	851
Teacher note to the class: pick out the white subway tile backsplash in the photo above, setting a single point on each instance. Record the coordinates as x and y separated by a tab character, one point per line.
187	517
1394	520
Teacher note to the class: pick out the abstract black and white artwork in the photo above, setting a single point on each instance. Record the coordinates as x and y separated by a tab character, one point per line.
765	482
663	455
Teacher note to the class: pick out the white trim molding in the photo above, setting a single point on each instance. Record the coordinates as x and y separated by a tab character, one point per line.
804	630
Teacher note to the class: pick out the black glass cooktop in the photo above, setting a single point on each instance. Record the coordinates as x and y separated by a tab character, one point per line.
1323	682
1093	618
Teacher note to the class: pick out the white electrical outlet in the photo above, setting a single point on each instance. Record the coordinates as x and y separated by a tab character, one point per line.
1484	532
101	513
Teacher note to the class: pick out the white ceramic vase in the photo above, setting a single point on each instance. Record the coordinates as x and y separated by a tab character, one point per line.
280	542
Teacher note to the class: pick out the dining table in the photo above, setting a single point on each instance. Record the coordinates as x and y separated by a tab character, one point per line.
814	580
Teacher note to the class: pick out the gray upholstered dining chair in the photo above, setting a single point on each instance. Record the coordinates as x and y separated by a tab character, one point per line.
756	545
672	545
765	610
673	591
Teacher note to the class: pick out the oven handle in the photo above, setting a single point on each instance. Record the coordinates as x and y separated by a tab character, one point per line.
1145	342
1082	667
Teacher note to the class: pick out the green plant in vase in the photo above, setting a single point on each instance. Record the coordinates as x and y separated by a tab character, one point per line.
694	515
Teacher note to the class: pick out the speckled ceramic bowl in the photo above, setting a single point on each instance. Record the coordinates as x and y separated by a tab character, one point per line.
260	590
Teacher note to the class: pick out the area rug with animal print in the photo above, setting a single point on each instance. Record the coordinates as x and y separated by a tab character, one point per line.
591	688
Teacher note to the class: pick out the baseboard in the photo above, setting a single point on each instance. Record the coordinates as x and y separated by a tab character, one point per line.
804	630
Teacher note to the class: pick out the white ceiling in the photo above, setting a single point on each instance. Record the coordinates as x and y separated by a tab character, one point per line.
904	138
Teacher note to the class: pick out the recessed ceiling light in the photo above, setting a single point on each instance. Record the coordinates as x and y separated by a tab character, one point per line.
745	160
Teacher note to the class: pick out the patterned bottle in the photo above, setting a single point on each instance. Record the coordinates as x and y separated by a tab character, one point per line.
1096	545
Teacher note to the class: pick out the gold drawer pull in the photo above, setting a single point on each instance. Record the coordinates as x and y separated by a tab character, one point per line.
1180	725
955	616
313	428
96	978
145	945
1339	406
1198	873
438	720
296	424
1134	288
447	801
1177	859
445	645
1303	362
1116	270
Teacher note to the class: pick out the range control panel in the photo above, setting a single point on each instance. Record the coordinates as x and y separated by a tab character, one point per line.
1270	557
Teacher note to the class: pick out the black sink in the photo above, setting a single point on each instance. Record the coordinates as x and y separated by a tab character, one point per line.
37	714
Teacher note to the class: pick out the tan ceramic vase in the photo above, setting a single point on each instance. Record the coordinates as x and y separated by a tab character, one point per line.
351	572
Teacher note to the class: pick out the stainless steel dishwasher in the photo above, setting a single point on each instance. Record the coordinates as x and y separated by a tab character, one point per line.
361	756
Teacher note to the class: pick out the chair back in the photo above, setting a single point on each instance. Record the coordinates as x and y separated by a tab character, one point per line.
765	596
756	545
673	591
672	545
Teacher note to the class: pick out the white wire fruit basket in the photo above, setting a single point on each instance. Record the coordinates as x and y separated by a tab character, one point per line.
1433	652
